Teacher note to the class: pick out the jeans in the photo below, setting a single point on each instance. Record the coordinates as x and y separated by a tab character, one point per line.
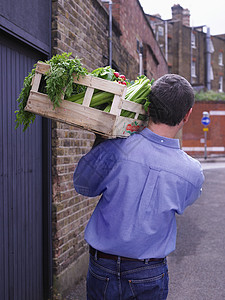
122	280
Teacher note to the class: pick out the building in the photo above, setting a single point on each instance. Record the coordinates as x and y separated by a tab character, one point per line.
194	136
189	51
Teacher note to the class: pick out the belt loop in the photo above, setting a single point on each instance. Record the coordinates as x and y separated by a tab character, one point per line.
96	254
146	261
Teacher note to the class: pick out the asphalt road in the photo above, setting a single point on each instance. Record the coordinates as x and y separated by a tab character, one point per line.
196	267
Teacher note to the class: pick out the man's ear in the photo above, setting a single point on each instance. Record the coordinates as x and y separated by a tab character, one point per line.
185	119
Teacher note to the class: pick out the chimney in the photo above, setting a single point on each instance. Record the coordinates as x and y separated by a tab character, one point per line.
186	17
178	13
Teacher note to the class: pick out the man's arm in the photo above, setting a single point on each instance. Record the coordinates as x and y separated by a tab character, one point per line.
92	169
195	191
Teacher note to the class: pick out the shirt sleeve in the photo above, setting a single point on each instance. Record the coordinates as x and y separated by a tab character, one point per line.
194	191
92	169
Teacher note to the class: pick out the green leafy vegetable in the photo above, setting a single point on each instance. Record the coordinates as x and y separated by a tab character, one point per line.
22	116
104	73
59	79
59	83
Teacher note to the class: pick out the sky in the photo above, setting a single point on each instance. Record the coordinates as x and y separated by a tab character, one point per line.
209	13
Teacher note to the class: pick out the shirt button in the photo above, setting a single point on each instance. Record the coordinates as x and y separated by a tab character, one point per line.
162	141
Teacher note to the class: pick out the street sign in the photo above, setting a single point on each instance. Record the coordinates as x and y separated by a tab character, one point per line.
205	121
205	129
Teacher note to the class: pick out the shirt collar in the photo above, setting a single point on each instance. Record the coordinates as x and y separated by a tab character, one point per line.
164	141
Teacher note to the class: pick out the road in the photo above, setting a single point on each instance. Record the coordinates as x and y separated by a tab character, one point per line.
196	267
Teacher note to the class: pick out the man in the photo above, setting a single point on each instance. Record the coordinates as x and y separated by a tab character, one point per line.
143	180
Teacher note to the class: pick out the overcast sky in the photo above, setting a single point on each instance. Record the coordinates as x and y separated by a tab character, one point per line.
209	13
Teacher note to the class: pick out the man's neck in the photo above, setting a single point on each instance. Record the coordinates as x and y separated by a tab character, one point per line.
164	130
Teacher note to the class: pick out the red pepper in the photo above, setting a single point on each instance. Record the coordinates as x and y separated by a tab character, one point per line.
116	74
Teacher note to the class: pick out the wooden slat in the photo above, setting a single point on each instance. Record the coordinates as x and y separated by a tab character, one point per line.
88	96
91	81
101	84
116	106
42	68
36	81
71	113
132	106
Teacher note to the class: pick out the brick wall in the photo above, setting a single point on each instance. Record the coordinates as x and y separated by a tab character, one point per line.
218	69
135	26
78	27
193	131
81	27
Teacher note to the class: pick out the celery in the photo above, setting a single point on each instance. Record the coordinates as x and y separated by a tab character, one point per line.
137	92
98	98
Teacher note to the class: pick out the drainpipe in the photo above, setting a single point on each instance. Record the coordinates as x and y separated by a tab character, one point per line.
110	33
141	60
110	30
191	54
166	40
208	60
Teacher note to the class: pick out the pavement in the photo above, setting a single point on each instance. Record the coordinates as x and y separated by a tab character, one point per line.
196	267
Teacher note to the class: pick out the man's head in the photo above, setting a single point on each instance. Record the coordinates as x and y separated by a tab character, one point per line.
171	98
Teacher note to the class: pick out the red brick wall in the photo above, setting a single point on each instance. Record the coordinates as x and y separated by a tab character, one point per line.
81	27
193	130
135	26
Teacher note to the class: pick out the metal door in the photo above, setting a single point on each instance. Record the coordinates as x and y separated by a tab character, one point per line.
21	223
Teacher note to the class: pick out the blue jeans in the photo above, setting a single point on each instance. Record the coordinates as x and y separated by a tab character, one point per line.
122	280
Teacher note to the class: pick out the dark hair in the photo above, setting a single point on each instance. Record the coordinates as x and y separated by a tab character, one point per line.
171	97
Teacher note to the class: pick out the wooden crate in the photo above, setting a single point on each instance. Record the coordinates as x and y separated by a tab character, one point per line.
81	115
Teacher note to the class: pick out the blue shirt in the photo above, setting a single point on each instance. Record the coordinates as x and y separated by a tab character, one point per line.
144	181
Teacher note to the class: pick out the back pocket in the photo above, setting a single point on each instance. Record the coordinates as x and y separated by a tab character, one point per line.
96	286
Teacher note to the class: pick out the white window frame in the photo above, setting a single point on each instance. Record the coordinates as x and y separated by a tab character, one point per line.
160	30
220	58
221	84
193	40
193	69
211	73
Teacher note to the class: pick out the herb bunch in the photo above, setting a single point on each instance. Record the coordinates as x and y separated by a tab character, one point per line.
59	84
59	79
22	116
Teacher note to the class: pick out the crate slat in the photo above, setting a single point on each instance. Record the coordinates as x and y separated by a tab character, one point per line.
42	68
101	84
87	97
134	107
116	106
36	81
71	113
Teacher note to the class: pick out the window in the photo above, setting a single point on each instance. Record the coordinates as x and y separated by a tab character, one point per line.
193	69
169	44
220	57
211	73
193	40
138	46
221	84
160	30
